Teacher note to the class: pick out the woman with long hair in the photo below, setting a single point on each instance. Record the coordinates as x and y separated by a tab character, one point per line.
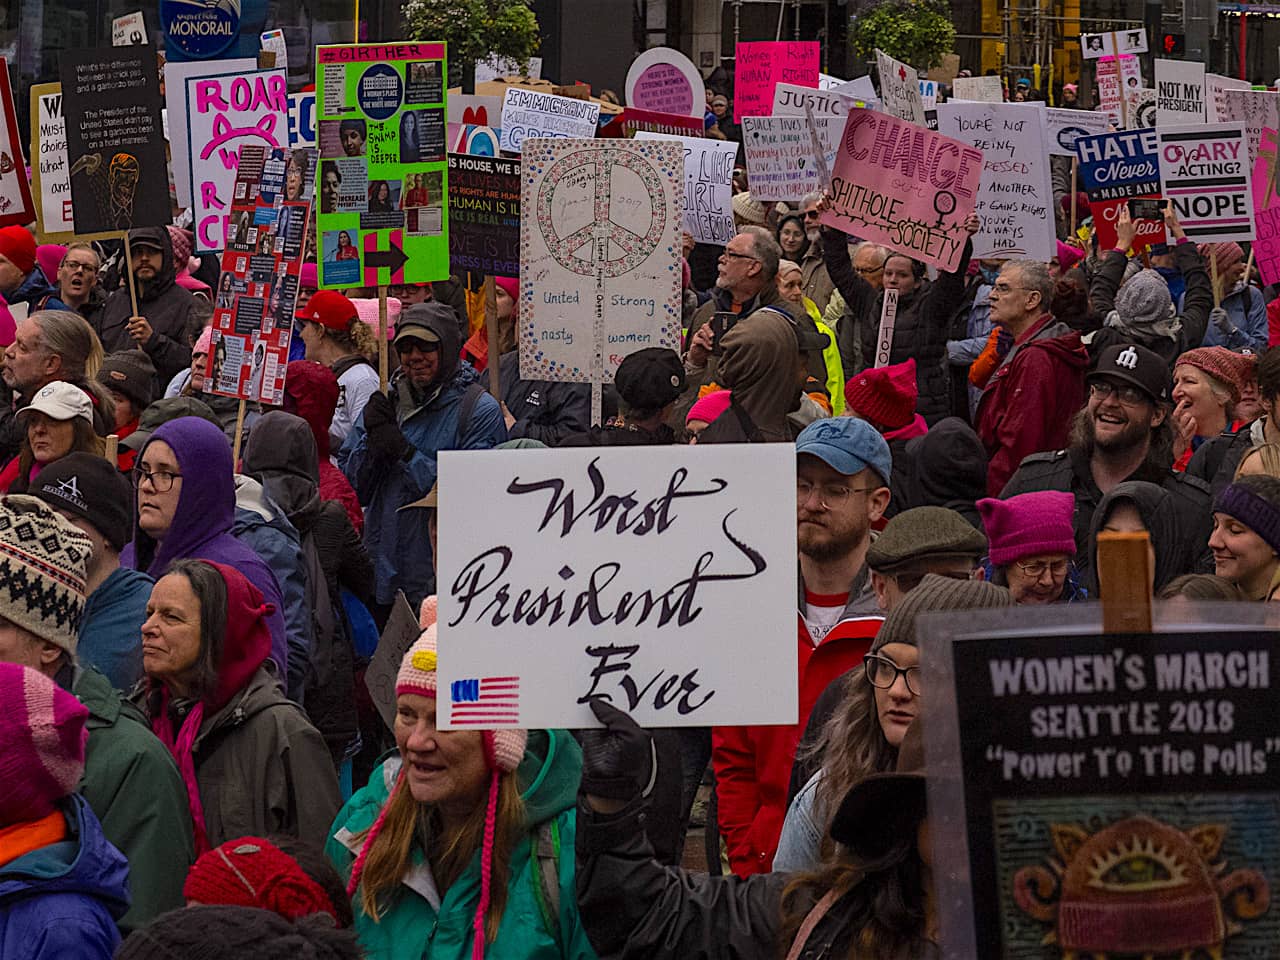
380	197
346	249
464	842
58	421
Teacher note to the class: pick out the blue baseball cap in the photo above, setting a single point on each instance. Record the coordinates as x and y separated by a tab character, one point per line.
847	445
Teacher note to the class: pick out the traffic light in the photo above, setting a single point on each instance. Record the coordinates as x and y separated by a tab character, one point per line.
1173	44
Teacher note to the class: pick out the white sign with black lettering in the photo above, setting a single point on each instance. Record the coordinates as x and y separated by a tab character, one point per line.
888	320
656	578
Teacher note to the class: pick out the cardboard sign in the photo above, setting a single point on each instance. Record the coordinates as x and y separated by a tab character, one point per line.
708	187
780	160
899	89
650	577
980	89
273	43
384	666
176	75
382	217
115	140
494	67
224	112
1256	109
1063	127
1115	168
1117	794
1123	42
1205	173
1015	200
484	215
129	30
1215	86
663	80
1179	91
258	288
888	321
529	113
1266	208
905	187
760	66
599	255
790	100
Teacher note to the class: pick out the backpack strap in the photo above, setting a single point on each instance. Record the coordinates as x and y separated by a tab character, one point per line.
813	918
545	867
469	400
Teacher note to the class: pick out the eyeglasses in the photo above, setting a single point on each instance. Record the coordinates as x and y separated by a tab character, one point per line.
1003	288
811	214
869	271
1129	396
1035	569
882	673
830	495
160	480
909	581
739	256
75	266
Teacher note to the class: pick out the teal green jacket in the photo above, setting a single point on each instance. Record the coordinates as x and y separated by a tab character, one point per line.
423	924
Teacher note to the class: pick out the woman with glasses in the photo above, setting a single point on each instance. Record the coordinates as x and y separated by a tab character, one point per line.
252	762
186	500
1032	543
878	701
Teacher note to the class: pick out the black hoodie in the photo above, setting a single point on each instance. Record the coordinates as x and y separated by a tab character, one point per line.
947	467
166	306
1174	554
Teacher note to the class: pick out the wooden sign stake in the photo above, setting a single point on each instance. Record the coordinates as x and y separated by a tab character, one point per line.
112	449
1125	577
235	447
1075	173
382	339
128	265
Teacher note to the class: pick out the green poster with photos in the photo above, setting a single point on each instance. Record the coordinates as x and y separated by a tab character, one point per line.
382	181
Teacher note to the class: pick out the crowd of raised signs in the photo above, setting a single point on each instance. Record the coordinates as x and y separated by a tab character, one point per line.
192	764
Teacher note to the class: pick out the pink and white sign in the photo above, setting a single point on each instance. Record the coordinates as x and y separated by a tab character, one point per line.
1266	207
224	113
760	66
663	80
904	186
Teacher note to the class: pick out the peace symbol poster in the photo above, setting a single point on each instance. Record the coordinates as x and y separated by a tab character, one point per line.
599	254
383	177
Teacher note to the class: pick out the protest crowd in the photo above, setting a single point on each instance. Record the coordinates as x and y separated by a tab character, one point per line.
234	522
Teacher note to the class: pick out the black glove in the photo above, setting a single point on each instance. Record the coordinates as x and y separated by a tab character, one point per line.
618	762
384	439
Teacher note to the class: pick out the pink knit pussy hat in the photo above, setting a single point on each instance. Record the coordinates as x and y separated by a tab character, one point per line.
42	728
1028	525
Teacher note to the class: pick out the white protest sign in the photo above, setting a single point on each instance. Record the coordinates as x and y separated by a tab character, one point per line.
129	30
599	254
1256	109
790	100
1142	108
528	113
494	67
1063	127
888	320
1205	173
664	80
273	42
1215	85
176	74
1179	92
828	82
979	89
52	175
1015	198
223	113
780	161
899	89
929	94
859	88
658	578
708	186
1123	42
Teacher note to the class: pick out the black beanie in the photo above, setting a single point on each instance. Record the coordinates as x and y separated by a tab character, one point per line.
218	933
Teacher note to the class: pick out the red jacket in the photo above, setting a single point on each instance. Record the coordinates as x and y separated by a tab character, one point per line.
753	764
1028	403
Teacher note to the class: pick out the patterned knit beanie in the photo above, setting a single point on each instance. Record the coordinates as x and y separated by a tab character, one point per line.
503	750
253	872
43	561
1144	299
42	741
1232	370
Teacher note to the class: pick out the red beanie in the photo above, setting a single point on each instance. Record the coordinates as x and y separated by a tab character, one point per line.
884	396
252	872
18	246
1232	370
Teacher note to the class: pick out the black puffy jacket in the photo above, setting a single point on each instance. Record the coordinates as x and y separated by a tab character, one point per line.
920	331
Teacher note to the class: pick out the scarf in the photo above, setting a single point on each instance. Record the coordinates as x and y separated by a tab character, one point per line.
1170	328
19	839
182	748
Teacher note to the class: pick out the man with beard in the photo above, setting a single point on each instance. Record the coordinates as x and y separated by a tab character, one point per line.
1123	433
842	488
165	324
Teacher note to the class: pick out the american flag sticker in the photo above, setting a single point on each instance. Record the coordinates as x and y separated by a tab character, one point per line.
484	702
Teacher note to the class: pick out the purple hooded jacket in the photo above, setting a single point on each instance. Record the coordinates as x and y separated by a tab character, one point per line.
201	527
